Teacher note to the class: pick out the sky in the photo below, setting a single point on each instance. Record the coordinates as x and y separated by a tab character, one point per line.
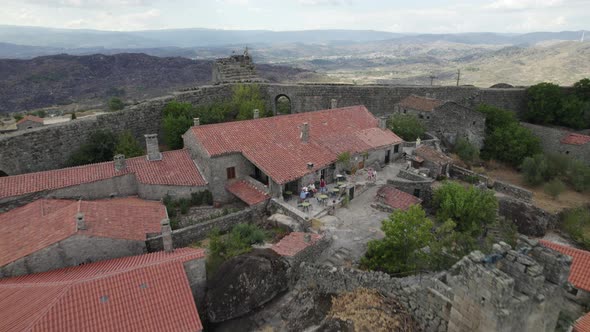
423	16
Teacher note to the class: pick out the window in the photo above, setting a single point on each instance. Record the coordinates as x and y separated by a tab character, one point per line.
231	173
474	123
421	116
417	192
396	148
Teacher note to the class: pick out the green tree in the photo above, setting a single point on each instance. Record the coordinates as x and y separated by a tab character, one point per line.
468	152
511	144
449	246
582	89
578	175
496	117
128	146
178	118
535	169
544	103
73	117
18	117
116	104
406	126
576	223
99	147
246	98
471	208
574	113
554	188
400	251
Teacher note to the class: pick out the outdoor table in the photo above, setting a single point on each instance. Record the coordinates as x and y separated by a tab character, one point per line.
335	191
323	198
288	195
305	206
339	184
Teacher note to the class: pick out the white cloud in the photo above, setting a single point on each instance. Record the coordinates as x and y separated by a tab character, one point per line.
524	4
89	3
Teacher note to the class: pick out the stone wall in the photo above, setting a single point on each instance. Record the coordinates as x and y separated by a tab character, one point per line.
529	219
196	273
48	147
499	186
551	142
185	236
308	255
424	187
73	251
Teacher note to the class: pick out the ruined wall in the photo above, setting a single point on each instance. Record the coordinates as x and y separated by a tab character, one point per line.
529	219
186	236
550	142
50	146
73	251
499	186
156	192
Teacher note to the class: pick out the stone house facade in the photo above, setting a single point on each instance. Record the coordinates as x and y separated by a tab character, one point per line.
562	141
447	120
285	153
29	122
81	232
435	161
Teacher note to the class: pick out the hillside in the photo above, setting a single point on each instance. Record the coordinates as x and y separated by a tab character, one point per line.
93	79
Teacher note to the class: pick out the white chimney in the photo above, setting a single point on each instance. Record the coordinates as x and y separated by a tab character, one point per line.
153	149
305	132
80	222
120	162
256	114
167	235
196	121
333	103
382	123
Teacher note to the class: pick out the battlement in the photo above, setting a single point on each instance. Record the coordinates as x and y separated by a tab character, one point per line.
238	68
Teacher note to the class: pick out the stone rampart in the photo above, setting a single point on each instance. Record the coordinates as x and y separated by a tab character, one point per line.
48	147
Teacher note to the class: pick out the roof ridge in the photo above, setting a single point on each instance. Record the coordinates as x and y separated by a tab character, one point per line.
51	304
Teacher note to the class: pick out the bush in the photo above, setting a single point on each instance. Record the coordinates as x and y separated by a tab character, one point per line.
468	152
406	126
18	117
116	104
578	175
582	89
73	117
99	147
576	223
127	145
201	197
400	251
554	188
184	205
542	168
535	170
471	209
239	241
545	102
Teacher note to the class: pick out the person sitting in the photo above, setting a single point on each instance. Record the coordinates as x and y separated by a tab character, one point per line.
312	190
302	195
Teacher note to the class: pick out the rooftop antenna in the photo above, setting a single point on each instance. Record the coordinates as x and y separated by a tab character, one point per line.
432	77
458	76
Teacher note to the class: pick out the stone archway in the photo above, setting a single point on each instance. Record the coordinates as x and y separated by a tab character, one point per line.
2	173
282	105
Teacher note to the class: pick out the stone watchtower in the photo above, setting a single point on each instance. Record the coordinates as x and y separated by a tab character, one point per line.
235	69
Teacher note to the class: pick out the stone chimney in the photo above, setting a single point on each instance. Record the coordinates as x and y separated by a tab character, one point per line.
196	121
153	149
120	162
382	123
305	132
256	114
333	103
167	235
307	238
80	222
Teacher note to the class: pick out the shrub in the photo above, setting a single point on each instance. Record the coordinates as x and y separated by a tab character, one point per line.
544	103
471	209
18	117
534	169
73	117
400	251
468	152
174	223
554	188
99	147
128	146
406	126
576	223
184	205
174	127
578	175
116	104
582	89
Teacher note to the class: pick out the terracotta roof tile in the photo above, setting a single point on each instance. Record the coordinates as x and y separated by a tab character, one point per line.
580	269
582	324
120	218
294	243
575	139
396	198
274	144
430	154
246	191
175	168
140	293
30	118
419	103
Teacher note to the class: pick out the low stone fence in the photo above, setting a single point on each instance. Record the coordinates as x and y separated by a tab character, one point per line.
499	186
424	297
188	235
300	217
308	255
405	174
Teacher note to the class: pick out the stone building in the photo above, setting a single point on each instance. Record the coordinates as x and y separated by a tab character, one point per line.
562	141
435	161
390	199
151	292
447	120
285	153
153	176
235	69
49	234
29	122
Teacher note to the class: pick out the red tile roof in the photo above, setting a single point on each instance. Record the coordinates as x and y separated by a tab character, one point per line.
430	154
575	139
396	198
140	293
30	118
175	168
247	192
294	243
582	324
274	144
419	103
580	269
44	222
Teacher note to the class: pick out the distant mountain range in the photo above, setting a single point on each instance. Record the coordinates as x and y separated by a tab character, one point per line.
27	42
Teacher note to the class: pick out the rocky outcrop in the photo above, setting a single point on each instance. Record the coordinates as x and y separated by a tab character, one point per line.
529	219
244	283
